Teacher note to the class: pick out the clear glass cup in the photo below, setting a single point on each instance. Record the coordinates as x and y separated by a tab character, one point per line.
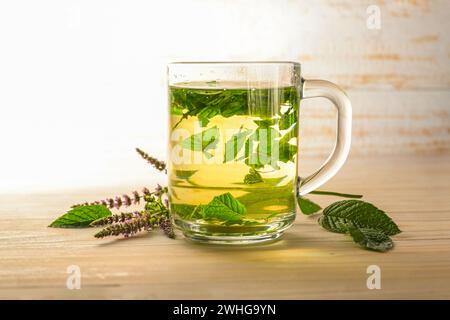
233	139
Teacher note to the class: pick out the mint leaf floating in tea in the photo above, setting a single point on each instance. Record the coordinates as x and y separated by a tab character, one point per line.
371	239
307	206
342	215
288	119
224	207
187	211
207	103
253	177
203	141
235	144
81	216
265	123
184	174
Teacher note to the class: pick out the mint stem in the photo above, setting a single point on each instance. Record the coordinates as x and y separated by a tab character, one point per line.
337	194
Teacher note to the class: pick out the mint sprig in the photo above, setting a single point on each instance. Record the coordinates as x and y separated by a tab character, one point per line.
342	215
81	217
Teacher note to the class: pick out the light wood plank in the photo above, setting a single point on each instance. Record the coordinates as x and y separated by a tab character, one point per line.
307	263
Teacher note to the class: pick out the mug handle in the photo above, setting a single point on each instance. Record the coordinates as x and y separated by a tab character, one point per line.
330	91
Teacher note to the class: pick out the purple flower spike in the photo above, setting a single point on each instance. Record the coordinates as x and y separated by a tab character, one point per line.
136	197
126	200
110	203
166	203
145	191
117	203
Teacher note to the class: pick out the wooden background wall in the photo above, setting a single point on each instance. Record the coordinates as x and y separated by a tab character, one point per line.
398	77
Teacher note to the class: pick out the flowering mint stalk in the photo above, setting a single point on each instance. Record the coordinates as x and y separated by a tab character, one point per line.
158	164
127	227
127	224
122	217
117	202
154	215
165	224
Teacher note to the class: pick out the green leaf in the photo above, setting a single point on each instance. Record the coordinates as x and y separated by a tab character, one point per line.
343	215
184	174
202	141
187	211
80	217
234	145
253	177
286	152
287	119
231	109
206	114
307	206
265	123
224	207
265	140
371	239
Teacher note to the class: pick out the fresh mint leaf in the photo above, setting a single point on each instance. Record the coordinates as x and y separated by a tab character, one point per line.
203	141
253	177
287	119
234	145
81	216
287	151
307	206
265	141
187	211
342	215
231	109
371	239
184	174
265	123
224	207
206	114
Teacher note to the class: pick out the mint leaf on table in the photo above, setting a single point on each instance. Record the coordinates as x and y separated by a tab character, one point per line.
371	239
307	206
224	207
203	141
342	215
80	217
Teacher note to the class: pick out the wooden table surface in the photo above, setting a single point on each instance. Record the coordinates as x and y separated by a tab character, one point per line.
307	263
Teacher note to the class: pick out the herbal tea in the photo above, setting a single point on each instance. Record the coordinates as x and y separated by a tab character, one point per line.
233	152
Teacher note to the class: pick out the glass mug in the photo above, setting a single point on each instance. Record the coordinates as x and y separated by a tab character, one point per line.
233	139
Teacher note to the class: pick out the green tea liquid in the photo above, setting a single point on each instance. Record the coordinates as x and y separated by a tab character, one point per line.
230	138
